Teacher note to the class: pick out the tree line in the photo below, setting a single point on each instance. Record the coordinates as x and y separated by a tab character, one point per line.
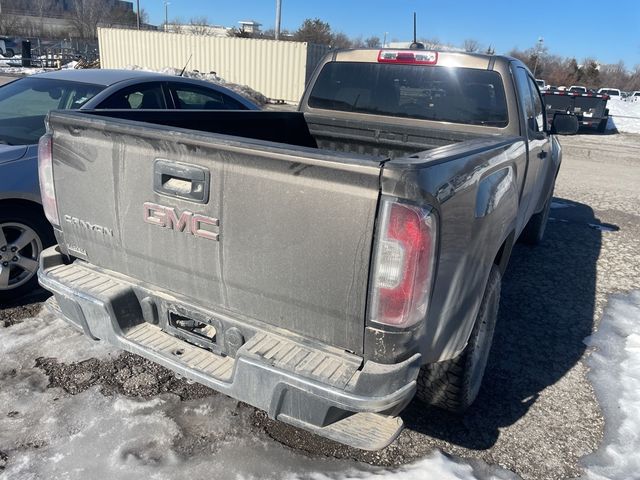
26	18
566	71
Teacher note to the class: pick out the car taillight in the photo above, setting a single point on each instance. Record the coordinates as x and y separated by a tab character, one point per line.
403	264
45	172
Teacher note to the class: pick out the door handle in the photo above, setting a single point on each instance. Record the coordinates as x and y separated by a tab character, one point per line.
174	179
542	154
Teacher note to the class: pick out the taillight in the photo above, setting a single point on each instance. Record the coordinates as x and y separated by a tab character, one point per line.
45	172
403	264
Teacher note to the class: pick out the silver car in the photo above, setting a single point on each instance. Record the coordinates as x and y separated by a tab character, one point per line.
24	103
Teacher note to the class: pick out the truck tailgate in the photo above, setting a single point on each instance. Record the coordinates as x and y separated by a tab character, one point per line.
248	228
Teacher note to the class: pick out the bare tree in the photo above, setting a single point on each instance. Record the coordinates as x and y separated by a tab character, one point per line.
199	26
87	14
176	25
358	42
144	16
340	40
470	45
10	25
373	42
431	43
43	7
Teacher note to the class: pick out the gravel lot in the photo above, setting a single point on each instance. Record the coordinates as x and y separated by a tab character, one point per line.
536	414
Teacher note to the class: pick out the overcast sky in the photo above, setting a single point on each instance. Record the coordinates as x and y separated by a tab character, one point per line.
608	31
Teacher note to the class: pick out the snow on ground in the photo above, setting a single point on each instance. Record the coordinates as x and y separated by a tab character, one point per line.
16	59
48	433
4	61
625	116
615	374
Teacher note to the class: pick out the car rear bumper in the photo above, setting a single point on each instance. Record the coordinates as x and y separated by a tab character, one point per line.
320	388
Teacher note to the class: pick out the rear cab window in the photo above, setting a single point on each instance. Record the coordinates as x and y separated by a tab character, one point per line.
448	94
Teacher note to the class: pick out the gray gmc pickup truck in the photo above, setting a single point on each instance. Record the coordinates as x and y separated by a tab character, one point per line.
325	265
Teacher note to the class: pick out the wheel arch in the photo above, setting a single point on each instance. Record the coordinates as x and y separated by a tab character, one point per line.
35	207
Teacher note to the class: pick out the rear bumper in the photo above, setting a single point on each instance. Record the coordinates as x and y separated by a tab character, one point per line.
310	385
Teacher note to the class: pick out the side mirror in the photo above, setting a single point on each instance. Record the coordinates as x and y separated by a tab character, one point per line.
565	124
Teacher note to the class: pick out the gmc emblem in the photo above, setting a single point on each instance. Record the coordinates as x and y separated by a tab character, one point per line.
187	222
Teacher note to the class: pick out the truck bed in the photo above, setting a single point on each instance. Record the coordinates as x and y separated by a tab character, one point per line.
380	141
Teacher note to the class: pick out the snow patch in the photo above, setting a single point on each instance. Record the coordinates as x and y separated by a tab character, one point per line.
624	116
47	433
615	374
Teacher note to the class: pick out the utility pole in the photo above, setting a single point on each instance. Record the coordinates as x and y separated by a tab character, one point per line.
166	15
278	17
138	13
538	52
384	42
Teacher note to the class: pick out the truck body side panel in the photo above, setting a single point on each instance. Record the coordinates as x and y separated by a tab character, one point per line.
475	192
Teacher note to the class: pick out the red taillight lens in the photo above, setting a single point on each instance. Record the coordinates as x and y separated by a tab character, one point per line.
45	172
403	265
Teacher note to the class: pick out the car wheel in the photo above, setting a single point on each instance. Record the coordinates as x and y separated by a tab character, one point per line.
24	233
9	53
454	384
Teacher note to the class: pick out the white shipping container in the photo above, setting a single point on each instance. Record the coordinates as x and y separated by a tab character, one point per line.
277	69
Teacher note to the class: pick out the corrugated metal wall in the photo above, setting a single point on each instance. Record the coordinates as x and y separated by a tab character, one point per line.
277	69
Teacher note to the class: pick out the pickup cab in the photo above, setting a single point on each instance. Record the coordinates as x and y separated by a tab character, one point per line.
326	265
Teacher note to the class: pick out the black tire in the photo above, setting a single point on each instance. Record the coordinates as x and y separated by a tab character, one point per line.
533	232
9	53
454	384
17	277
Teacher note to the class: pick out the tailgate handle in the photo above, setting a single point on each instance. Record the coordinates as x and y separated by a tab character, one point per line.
174	179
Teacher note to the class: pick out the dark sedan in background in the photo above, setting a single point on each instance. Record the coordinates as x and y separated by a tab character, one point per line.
24	103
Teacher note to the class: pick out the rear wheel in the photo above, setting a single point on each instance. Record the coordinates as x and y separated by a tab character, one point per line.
24	233
9	53
454	384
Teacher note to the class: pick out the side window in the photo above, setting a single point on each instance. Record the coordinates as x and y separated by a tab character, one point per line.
79	96
537	106
143	96
191	97
526	99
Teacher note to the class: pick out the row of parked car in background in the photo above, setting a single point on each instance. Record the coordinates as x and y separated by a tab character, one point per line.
588	105
613	93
